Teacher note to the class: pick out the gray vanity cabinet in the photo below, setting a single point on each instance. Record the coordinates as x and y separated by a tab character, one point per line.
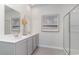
28	45
19	48
22	47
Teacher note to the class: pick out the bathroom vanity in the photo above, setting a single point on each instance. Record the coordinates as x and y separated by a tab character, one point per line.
22	45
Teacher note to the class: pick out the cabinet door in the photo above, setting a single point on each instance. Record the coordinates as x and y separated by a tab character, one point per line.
21	47
30	46
37	40
7	48
34	43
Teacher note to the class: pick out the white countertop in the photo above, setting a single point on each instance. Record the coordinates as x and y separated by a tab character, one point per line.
12	39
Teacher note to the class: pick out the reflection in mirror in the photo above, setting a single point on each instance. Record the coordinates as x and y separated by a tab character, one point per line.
12	21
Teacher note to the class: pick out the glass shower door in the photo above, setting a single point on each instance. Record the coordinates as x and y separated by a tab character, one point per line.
66	33
75	31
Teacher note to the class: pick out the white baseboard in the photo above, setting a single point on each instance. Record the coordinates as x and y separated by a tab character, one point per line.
51	47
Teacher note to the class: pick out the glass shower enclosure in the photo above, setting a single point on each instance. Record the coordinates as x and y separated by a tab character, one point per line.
71	31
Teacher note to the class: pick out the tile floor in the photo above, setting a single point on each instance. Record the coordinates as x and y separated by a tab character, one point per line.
48	51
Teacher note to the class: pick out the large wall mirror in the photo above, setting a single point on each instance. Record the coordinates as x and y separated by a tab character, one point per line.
12	21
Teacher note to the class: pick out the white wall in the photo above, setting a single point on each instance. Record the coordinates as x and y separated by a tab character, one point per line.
1	20
50	39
